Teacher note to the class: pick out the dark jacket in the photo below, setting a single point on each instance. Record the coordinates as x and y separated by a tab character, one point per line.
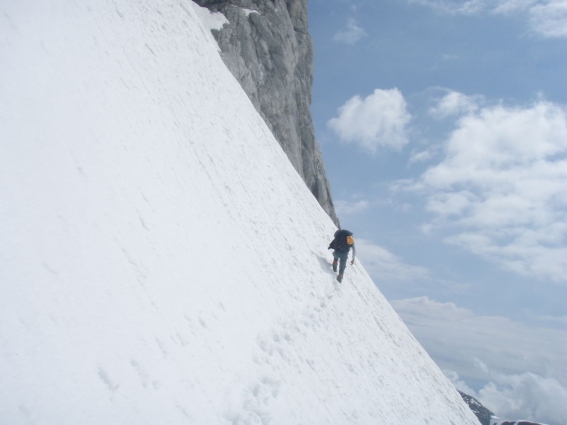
339	243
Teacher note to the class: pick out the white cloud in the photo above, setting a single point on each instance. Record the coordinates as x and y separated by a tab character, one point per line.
524	366
546	17
384	266
351	34
550	19
508	6
346	207
502	188
422	156
526	396
377	121
466	7
455	103
459	383
457	339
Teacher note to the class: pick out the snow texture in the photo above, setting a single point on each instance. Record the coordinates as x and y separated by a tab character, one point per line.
161	262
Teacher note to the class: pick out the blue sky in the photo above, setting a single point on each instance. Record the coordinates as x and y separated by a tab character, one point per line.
443	125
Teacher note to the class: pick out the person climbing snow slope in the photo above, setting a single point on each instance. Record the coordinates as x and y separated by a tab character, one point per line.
341	245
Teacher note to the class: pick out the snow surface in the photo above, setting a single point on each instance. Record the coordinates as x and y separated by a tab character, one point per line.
211	21
248	12
161	262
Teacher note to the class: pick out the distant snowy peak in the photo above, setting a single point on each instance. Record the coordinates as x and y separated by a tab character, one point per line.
498	421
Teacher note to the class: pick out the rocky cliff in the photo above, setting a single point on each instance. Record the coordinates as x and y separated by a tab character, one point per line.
268	49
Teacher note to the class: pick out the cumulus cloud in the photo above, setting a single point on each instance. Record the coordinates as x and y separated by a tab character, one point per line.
549	18
351	34
526	396
545	17
502	188
384	266
455	103
377	121
523	366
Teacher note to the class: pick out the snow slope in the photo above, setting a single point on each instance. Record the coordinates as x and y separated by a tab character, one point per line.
161	262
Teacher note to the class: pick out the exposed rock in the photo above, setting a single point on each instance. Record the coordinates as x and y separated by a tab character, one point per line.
481	412
268	49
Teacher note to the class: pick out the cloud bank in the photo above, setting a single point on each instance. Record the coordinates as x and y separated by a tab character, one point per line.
461	339
497	351
526	396
501	189
377	121
384	266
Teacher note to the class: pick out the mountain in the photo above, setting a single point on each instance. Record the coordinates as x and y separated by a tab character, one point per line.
481	412
498	421
161	260
267	47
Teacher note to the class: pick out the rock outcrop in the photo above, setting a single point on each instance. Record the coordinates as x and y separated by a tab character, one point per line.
268	49
481	412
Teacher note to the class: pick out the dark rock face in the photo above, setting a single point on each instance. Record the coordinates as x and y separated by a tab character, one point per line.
268	49
481	412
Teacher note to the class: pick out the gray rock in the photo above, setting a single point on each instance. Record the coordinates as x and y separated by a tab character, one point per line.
268	49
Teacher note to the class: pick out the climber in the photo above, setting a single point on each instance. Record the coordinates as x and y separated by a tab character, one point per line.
341	245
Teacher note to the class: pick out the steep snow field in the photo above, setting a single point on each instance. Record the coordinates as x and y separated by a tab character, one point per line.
161	262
